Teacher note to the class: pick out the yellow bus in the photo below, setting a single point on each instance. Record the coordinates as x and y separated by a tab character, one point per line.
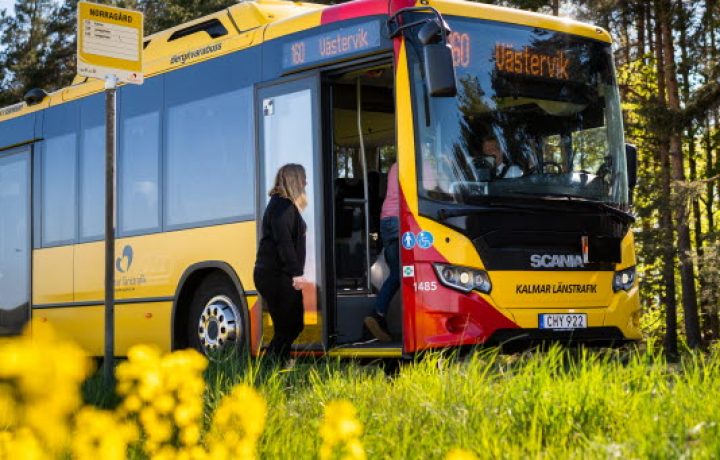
533	242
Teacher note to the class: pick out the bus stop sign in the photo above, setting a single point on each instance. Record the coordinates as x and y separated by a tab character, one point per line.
110	42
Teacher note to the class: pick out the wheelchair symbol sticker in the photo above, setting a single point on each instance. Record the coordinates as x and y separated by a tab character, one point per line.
408	240
425	240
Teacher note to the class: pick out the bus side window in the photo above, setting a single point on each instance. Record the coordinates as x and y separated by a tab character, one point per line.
59	175
139	157
209	177
208	142
59	180
92	169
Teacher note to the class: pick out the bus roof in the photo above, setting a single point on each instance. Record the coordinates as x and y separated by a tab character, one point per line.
250	23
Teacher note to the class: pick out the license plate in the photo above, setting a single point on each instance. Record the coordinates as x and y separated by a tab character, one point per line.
563	321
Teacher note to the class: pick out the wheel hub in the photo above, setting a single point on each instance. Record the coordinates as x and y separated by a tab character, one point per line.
220	325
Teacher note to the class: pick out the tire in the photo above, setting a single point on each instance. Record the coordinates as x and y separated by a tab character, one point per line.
217	325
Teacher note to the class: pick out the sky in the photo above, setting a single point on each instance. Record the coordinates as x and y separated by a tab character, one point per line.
7	5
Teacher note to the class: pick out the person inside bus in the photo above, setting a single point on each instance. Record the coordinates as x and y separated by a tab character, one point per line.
280	259
494	156
389	233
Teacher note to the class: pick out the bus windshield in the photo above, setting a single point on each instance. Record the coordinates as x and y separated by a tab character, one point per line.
536	115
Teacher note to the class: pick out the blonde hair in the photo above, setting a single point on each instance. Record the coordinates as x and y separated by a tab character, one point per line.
290	183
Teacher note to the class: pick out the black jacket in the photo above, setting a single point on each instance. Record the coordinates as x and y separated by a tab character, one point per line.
282	245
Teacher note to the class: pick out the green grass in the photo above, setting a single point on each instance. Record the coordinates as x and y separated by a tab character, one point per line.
555	404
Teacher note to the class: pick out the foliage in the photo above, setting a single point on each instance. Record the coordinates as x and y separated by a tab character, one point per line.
160	416
560	404
163	396
163	14
28	56
556	404
34	412
340	432
39	45
237	424
39	38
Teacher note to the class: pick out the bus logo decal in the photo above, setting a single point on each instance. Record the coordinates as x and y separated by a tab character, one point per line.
556	261
182	58
124	262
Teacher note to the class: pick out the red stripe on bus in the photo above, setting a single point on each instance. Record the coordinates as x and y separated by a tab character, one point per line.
360	8
428	313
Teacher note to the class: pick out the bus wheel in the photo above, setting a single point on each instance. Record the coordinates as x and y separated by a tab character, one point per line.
216	324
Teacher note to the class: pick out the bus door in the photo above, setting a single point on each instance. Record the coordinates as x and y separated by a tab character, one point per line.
362	150
15	170
288	115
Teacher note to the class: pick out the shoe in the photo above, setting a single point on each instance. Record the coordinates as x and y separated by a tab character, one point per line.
377	325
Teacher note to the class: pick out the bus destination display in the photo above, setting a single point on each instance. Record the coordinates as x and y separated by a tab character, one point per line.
529	62
347	41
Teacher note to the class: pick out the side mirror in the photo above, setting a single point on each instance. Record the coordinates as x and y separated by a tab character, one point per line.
631	159
437	55
439	70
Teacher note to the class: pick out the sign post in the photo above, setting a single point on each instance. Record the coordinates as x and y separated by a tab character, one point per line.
109	47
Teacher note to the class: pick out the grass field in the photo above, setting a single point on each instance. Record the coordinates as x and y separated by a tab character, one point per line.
554	404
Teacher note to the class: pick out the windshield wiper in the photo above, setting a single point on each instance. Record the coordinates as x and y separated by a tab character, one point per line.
493	205
543	203
559	197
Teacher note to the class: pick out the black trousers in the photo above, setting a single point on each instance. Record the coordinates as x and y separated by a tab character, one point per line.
285	305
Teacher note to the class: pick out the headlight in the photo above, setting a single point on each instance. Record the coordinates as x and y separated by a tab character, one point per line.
462	278
624	279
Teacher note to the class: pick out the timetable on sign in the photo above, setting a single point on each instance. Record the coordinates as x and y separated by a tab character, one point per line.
110	40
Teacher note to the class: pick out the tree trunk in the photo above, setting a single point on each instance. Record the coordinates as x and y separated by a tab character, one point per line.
677	171
684	17
640	20
650	35
624	32
668	254
710	53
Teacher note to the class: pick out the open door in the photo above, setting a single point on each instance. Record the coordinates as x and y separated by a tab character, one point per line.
14	241
288	115
361	122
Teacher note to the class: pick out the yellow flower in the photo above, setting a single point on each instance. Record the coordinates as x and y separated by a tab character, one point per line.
460	454
164	403
164	394
8	407
190	435
21	445
132	404
340	432
238	422
45	374
99	435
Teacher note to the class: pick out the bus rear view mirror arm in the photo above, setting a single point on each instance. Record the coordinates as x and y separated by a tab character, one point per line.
439	69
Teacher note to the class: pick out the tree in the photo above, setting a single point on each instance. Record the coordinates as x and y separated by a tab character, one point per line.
26	57
160	15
